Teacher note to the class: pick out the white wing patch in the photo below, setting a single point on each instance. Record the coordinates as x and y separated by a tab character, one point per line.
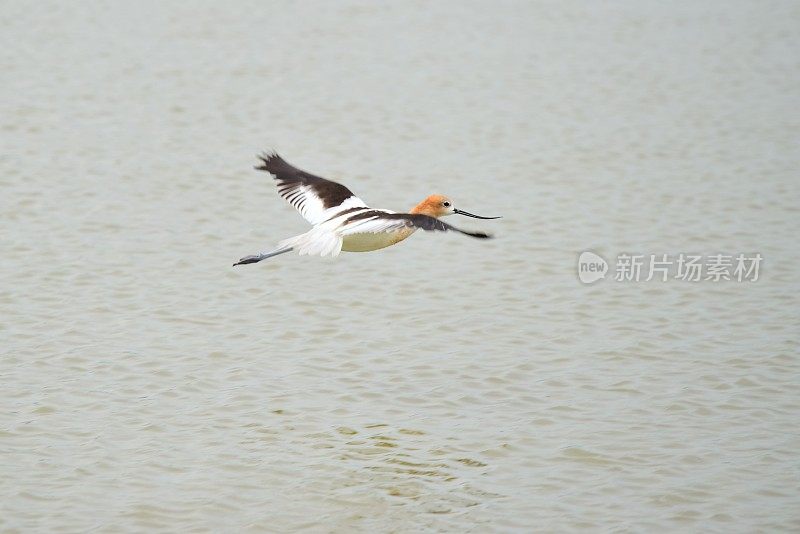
311	207
374	225
347	205
302	197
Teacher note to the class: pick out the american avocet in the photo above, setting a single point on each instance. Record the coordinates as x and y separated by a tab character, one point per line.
342	221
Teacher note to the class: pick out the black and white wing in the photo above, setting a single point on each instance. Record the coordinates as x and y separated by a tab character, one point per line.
378	221
316	198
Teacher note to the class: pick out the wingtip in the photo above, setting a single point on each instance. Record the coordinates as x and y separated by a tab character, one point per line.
480	235
267	157
268	154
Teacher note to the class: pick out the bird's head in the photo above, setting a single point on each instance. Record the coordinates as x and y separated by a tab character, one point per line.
441	206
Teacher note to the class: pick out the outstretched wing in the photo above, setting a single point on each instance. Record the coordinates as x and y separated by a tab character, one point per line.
377	221
316	198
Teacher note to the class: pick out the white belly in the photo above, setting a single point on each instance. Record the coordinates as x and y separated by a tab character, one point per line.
368	242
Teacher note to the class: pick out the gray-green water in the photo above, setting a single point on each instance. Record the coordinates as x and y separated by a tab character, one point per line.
445	384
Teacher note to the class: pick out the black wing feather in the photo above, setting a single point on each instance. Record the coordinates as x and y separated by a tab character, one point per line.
414	220
290	178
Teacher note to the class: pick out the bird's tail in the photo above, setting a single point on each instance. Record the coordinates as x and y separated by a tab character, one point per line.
315	242
255	258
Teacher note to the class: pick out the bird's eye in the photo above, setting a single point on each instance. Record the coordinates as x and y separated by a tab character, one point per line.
446	204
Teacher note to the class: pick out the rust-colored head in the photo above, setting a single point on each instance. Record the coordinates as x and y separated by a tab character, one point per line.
434	206
441	206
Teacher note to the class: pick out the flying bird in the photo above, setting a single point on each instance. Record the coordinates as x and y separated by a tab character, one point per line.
342	221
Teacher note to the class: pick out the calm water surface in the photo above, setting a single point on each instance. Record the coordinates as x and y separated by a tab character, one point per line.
445	384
